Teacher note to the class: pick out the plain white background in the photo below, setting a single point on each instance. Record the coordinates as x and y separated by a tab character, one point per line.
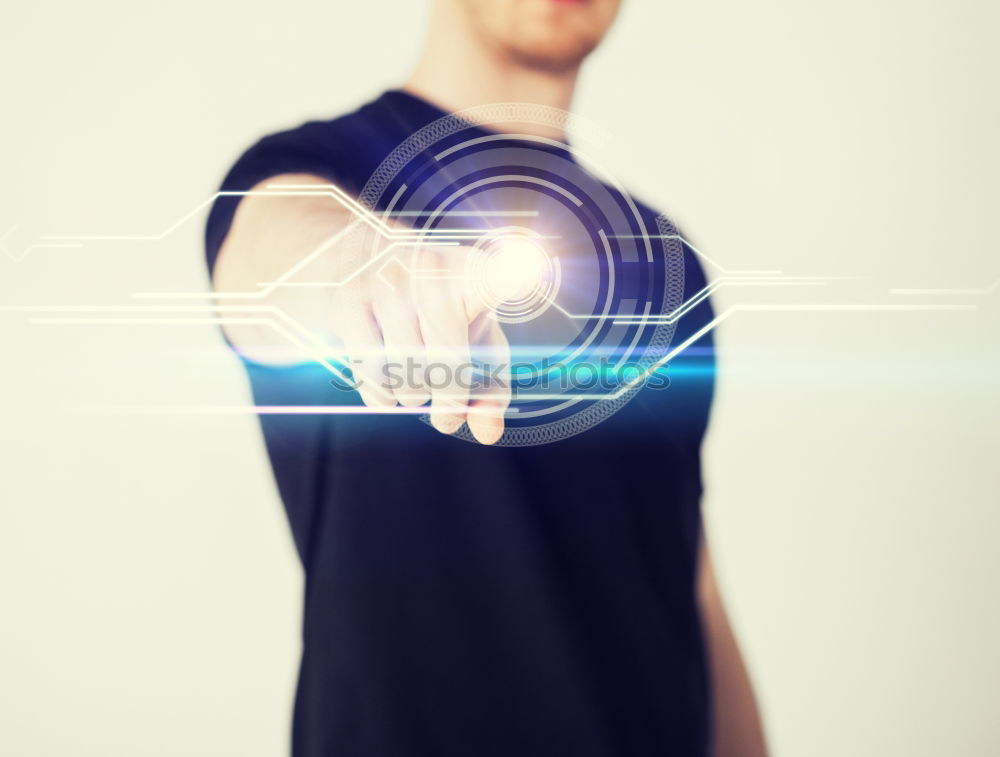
150	593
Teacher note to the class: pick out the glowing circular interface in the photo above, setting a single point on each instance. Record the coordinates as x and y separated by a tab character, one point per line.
585	281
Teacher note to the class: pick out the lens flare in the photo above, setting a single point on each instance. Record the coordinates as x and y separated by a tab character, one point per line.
515	270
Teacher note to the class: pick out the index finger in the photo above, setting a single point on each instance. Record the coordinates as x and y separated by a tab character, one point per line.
444	327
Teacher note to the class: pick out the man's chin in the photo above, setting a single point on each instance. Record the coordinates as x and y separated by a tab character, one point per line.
553	57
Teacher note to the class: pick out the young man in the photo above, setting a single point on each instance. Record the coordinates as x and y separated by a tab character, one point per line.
473	599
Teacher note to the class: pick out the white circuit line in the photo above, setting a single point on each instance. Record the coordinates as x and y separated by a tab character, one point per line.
695	250
677	349
403	237
774	308
325	190
695	299
364	410
313	352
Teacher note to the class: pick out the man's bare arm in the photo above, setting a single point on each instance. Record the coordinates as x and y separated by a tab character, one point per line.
376	316
269	235
738	731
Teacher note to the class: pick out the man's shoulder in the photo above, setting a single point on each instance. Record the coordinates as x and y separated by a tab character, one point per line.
352	124
319	134
343	150
340	149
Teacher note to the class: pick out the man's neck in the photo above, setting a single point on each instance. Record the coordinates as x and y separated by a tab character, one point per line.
457	71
